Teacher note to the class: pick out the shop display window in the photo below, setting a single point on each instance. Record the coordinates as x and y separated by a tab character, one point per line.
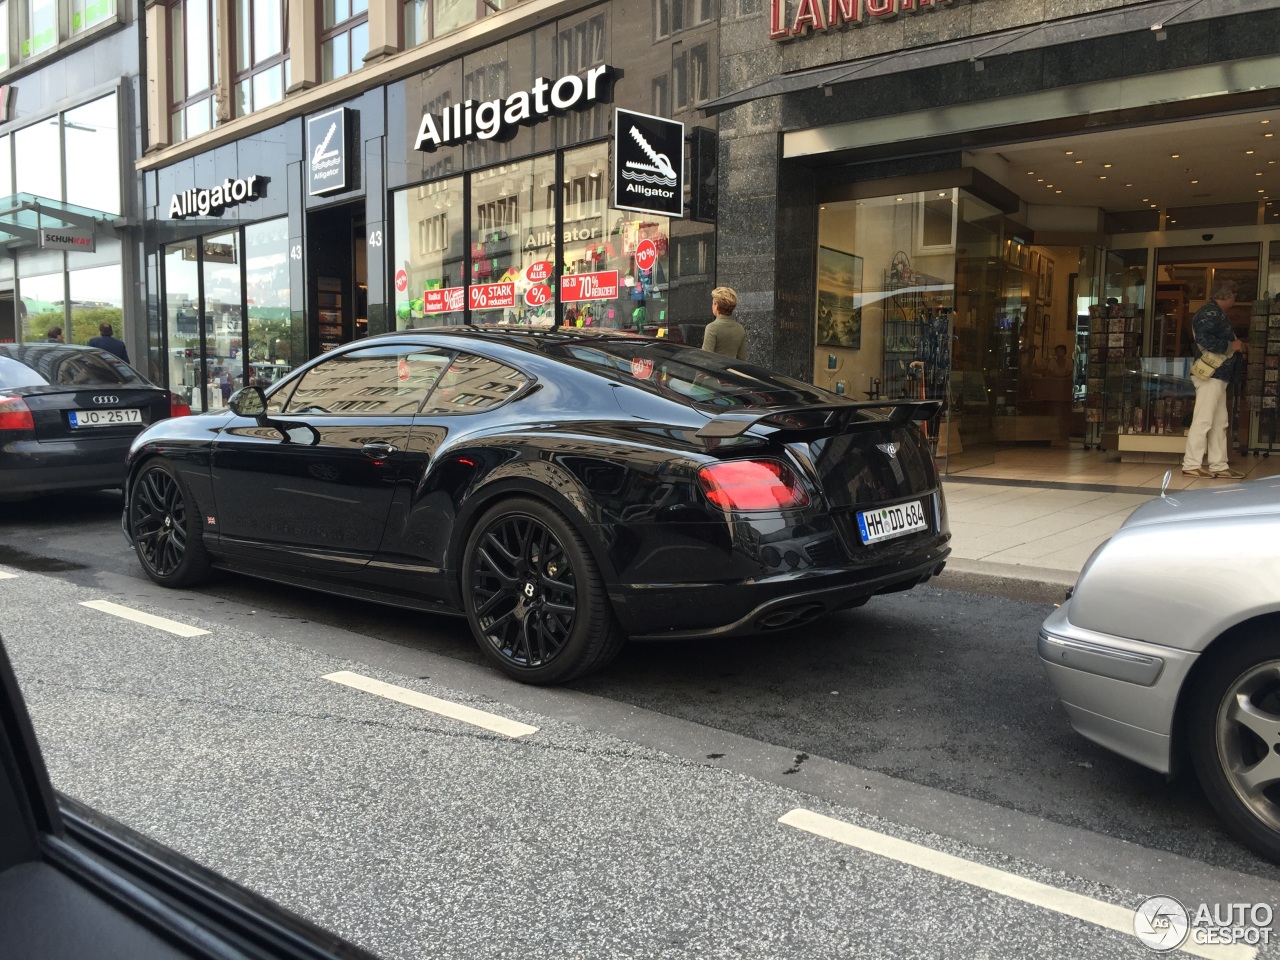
42	296
429	253
615	266
273	341
96	298
38	160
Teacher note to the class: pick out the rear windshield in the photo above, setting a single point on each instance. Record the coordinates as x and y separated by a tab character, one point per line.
687	373
59	365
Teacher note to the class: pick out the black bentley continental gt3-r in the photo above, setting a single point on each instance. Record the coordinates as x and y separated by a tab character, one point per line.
563	490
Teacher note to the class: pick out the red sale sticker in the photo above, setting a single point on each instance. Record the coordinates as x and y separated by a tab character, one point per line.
402	370
646	254
444	300
402	281
538	271
491	296
589	286
641	368
537	295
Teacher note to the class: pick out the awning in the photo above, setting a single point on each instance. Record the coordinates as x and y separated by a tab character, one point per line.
24	215
1134	18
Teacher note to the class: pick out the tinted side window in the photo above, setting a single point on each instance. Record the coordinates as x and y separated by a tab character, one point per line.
72	365
474	383
384	381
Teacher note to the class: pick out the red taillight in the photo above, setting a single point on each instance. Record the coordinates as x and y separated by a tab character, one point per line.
752	485
178	407
15	414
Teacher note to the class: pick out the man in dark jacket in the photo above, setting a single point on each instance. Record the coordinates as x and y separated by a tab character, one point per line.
1208	433
109	343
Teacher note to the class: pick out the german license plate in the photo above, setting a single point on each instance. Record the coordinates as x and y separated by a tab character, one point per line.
885	523
105	418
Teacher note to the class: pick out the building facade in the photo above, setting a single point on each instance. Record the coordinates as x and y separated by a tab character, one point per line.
70	95
1014	206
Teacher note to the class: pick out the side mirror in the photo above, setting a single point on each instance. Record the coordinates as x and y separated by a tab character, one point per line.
248	402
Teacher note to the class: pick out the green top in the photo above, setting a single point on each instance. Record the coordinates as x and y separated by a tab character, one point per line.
725	335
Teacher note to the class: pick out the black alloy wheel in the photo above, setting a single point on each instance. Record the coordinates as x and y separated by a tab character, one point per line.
535	601
1234	736
165	525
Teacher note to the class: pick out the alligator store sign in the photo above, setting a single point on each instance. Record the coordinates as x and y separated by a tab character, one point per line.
499	119
213	200
789	19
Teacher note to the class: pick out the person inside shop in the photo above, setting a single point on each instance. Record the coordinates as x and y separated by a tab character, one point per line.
1220	350
725	335
107	341
54	334
1059	365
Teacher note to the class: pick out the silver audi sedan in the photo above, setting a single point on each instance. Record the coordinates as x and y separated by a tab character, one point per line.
1168	648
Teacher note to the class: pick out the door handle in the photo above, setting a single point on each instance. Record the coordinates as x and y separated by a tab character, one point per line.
379	450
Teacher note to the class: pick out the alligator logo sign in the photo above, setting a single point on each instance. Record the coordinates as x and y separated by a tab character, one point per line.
327	152
648	157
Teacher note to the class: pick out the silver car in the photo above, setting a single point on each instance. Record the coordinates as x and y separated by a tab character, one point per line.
1168	648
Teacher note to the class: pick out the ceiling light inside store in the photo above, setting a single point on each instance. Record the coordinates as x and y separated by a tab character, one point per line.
1057	191
1070	152
1106	166
1268	136
1195	181
1102	176
1079	161
1128	184
1174	156
1247	152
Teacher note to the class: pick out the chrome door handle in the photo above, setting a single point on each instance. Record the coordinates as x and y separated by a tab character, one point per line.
379	450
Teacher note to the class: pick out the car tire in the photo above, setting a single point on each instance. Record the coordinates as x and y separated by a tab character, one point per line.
1234	740
164	524
534	597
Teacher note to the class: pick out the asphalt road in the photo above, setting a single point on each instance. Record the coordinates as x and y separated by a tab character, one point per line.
938	687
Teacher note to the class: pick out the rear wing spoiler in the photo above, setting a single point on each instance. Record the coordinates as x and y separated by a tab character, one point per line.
736	424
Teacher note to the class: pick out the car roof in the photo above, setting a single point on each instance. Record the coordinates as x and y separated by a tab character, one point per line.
521	337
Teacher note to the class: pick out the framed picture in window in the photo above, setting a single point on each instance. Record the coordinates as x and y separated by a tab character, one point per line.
839	299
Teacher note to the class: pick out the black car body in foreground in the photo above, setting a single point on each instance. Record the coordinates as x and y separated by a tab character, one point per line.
68	415
561	490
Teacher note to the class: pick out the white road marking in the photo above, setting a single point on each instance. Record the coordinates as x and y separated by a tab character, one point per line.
454	711
997	881
8	576
137	616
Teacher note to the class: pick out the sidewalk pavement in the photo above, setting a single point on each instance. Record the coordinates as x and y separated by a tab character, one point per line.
1042	534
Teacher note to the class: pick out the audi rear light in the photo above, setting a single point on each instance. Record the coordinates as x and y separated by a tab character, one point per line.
752	485
15	414
178	407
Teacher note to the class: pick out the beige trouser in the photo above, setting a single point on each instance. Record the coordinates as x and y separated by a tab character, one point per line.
1208	426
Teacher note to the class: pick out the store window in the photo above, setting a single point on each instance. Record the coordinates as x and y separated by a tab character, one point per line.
262	55
274	344
182	319
92	138
193	66
512	242
4	35
38	159
90	13
43	297
37	26
96	298
429	254
223	317
344	39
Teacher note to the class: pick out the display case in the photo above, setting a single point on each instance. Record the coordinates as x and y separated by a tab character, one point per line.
916	353
1115	347
1262	377
1159	400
